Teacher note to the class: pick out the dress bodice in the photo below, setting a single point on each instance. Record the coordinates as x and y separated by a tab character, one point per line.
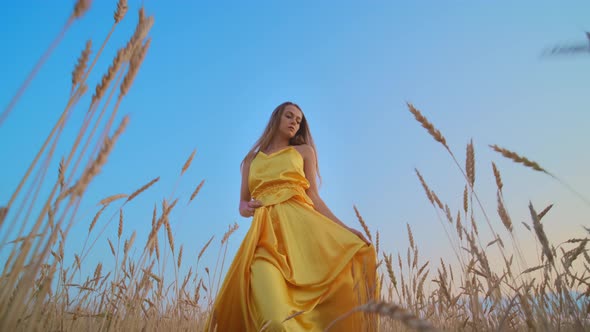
278	176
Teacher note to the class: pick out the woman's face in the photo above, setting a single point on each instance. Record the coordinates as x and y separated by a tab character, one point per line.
290	121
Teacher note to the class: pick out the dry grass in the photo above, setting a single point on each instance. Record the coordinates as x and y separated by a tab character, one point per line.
39	290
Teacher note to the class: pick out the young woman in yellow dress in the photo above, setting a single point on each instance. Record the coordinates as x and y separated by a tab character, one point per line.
299	268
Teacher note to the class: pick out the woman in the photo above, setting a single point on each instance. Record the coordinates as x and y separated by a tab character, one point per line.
298	260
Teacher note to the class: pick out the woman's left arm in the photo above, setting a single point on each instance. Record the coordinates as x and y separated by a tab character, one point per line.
309	160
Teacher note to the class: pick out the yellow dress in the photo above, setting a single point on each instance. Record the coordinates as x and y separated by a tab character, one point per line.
294	261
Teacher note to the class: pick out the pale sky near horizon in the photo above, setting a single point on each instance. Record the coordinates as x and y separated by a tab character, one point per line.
215	71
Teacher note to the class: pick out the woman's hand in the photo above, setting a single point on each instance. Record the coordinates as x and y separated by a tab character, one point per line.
360	235
247	208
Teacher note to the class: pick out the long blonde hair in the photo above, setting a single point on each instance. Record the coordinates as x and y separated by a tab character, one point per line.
303	135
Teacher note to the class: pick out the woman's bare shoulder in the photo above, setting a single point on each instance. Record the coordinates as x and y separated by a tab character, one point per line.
305	150
248	160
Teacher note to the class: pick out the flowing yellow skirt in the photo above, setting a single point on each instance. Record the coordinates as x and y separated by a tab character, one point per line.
297	270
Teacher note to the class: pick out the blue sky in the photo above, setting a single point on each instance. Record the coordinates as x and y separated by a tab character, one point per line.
215	71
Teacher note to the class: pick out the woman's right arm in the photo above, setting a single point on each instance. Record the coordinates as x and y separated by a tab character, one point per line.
247	206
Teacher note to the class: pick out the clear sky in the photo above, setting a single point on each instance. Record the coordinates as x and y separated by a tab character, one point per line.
216	70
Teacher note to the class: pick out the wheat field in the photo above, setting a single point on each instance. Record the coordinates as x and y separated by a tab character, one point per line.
40	291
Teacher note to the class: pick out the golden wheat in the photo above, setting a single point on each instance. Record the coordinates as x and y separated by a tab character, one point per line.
169	233
435	133
188	162
120	229
544	212
80	68
425	186
504	214
196	191
204	248
39	292
95	219
229	232
410	236
134	65
3	213
518	159
108	77
79	188
538	227
81	7
108	200
437	200
497	176
465	200
121	11
180	256
377	243
363	223
142	189
470	163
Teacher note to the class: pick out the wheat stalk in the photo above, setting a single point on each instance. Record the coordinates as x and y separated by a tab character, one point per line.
111	247
79	188
293	315
95	219
112	198
438	137
410	236
134	65
188	162
132	238
180	256
503	213
3	213
465	200
204	248
98	271
229	232
425	186
470	163
437	200
170	236
108	77
519	159
142	189
377	243
60	174
541	234
120	230
141	30
80	67
497	176
196	191
121	11
533	269
389	267
81	7
363	223
459	226
544	212
474	225
572	255
435	133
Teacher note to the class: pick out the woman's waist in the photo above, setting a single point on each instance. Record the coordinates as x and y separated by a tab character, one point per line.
265	189
274	193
